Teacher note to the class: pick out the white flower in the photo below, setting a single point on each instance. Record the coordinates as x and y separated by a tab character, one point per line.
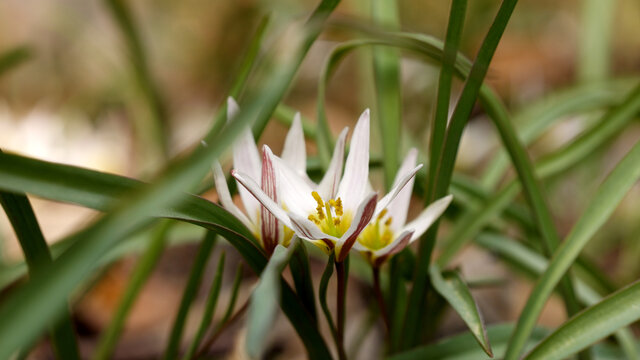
246	158
387	234
333	213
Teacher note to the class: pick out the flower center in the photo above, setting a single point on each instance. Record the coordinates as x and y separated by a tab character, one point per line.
377	234
330	216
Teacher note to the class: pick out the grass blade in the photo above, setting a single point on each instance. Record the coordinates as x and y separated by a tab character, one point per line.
37	255
322	295
264	300
209	310
450	285
141	273
386	70
594	323
303	283
625	174
595	39
189	294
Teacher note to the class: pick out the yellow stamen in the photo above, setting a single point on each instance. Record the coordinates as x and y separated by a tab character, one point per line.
389	220
336	221
382	214
338	206
318	199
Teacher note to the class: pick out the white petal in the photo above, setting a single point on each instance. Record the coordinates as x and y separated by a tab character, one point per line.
294	151
225	197
270	227
246	159
360	221
305	228
428	217
396	245
356	171
328	187
384	202
400	205
263	198
294	192
232	108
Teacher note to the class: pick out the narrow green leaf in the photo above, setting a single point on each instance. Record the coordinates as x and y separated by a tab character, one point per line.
141	70
189	294
235	289
595	39
209	310
141	273
265	298
593	324
386	70
625	174
37	255
322	295
303	283
450	285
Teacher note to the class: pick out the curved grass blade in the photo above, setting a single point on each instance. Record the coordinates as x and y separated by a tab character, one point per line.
264	300
625	174
141	273
322	295
450	285
594	323
209	310
36	253
189	294
235	289
303	283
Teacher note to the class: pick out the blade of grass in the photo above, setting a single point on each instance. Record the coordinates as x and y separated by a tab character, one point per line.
625	174
209	310
303	283
386	70
322	296
594	323
595	39
450	285
264	300
142	271
141	70
37	254
189	294
444	168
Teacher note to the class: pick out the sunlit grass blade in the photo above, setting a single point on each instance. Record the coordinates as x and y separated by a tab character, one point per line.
141	71
11	58
322	295
264	300
465	346
209	310
386	70
594	323
446	161
303	283
189	294
37	254
450	285
594	55
625	174
535	264
139	276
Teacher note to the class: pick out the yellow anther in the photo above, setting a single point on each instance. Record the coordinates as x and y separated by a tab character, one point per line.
338	206
389	220
314	219
382	214
318	199
332	203
336	221
320	211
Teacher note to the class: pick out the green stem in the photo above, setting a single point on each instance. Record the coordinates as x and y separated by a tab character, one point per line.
380	298
341	302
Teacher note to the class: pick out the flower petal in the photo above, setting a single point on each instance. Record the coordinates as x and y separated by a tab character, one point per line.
294	192
246	159
356	171
428	217
269	223
329	185
225	197
294	152
395	246
360	221
399	206
307	229
255	190
384	202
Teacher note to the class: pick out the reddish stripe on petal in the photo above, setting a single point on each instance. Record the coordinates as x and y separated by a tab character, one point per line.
364	221
400	244
269	222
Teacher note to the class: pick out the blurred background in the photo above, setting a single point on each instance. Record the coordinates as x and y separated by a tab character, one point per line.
76	96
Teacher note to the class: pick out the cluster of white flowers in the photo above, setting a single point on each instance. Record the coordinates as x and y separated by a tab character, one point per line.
339	213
